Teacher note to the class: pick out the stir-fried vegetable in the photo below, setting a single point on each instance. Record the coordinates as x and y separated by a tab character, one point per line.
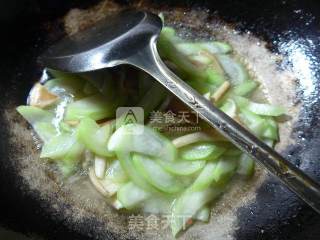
148	167
95	137
96	107
156	175
137	138
201	151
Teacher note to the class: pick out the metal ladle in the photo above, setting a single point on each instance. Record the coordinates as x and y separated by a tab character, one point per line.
130	38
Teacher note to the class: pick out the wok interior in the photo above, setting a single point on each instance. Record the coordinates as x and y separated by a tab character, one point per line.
85	210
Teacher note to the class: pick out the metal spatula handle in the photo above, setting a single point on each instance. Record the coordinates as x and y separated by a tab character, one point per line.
304	186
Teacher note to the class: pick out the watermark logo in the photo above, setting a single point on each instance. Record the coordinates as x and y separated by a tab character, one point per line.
152	223
169	121
130	115
163	121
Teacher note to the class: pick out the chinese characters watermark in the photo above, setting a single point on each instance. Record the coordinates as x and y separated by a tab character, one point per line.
151	223
181	121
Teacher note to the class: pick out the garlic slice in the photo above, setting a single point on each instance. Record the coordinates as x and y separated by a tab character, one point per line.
100	166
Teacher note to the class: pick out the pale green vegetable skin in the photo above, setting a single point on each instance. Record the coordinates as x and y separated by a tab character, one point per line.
131	195
34	115
129	168
116	173
246	166
236	71
187	205
66	84
40	119
58	146
203	214
201	151
94	137
259	108
152	174
182	168
229	108
156	175
205	178
138	138
158	204
96	107
245	88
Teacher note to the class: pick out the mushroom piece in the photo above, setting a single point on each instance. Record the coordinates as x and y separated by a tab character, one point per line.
41	97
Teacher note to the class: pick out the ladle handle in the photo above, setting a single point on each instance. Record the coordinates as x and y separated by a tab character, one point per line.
296	180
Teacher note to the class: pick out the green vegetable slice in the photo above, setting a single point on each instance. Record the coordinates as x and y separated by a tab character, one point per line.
167	49
35	114
217	173
158	204
74	155
62	86
202	87
188	204
269	142
66	168
193	48
65	127
246	165
245	88
130	170
201	151
259	108
131	196
96	107
41	121
142	139
191	138
116	173
255	123
205	178
201	59
271	131
229	108
188	48
58	146
156	175
236	72
94	137
224	170
216	47
45	130
153	97
214	77
65	149
182	168
203	214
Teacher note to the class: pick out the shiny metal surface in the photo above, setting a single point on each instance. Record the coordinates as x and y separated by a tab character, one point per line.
130	38
104	45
